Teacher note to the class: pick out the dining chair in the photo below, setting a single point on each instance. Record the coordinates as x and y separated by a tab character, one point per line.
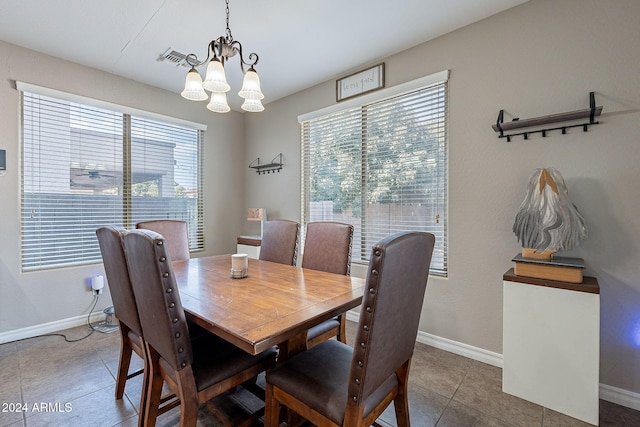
327	247
196	371
333	384
176	234
124	305
280	241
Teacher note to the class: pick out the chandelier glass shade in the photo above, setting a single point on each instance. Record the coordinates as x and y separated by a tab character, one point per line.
215	80
218	103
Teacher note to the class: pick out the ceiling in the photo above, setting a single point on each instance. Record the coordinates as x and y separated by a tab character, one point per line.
300	42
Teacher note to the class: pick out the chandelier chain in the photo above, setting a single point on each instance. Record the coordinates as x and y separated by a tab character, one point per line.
229	36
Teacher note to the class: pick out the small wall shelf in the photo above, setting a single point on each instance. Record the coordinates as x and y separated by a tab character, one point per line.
275	165
589	113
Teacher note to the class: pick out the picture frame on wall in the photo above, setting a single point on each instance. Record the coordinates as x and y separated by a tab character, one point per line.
360	82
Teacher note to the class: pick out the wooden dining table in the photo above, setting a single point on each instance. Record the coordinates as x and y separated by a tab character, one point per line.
275	305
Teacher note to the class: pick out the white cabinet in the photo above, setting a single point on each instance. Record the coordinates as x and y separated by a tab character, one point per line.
551	344
249	245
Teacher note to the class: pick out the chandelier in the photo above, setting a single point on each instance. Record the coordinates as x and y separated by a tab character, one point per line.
215	81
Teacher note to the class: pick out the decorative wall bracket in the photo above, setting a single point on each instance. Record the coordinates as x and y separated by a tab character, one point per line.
516	123
275	165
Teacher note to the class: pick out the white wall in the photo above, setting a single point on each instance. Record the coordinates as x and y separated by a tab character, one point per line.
539	58
31	299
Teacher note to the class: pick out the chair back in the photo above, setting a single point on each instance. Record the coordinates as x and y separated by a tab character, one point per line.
164	325
111	243
280	241
176	234
327	247
391	308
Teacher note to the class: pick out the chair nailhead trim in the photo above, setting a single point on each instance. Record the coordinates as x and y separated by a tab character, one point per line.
363	345
358	381
165	274
175	320
355	398
169	290
365	327
368	309
183	364
372	291
180	350
360	363
162	259
177	334
160	242
171	305
374	272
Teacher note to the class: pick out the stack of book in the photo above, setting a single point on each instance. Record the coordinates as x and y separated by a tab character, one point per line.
561	269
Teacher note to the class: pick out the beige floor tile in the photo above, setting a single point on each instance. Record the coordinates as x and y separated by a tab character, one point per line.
95	409
481	390
459	415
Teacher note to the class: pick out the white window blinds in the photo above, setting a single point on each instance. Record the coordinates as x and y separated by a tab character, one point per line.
381	166
84	167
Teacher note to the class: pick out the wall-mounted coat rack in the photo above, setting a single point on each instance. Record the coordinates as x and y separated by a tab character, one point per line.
274	165
516	123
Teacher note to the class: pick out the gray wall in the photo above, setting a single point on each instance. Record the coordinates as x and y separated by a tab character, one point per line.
36	298
539	58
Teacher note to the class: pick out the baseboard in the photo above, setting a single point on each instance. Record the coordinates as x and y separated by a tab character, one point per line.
47	328
609	393
475	353
620	396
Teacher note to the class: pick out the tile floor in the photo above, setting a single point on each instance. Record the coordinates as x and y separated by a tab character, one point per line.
49	382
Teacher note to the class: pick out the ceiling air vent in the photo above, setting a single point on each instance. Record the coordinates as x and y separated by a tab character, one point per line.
174	57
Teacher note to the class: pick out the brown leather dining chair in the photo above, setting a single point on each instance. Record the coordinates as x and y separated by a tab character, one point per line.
333	384
280	241
110	239
176	234
115	268
196	371
327	247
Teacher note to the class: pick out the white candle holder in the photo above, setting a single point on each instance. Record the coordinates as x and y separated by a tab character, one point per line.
239	266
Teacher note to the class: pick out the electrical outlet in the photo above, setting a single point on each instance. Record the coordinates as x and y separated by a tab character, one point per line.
97	283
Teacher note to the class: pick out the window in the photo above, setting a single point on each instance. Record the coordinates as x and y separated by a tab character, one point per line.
380	163
85	166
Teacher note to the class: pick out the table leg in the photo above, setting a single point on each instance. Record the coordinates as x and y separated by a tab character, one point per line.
291	347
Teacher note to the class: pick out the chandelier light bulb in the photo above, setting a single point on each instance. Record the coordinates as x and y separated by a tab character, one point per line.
215	80
252	105
251	86
193	90
218	103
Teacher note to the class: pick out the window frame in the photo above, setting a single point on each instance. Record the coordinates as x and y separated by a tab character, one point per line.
123	216
362	102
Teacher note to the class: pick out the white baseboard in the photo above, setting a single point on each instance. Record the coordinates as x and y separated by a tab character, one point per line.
47	328
609	393
620	396
475	353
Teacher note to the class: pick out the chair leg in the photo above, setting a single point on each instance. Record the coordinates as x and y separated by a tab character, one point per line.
342	331
152	389
123	366
188	397
271	408
401	401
